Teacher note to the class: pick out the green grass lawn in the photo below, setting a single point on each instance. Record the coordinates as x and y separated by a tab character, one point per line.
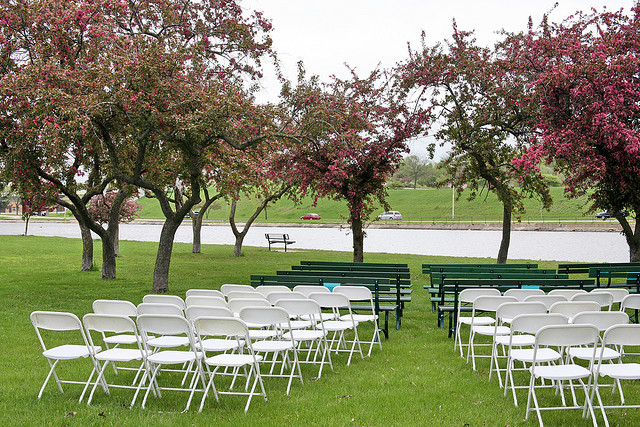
415	205
417	379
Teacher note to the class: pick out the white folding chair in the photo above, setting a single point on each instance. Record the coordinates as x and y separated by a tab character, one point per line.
566	292
283	351
231	295
338	342
169	326
618	294
313	341
571	308
63	349
309	289
466	297
212	301
235	329
603	320
230	287
212	344
256	332
505	314
274	296
481	306
522	293
548	300
620	336
631	302
162	309
561	336
362	294
604	299
164	299
204	293
116	307
114	325
520	348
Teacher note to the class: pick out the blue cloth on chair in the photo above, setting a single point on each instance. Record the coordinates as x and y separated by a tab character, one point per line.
330	286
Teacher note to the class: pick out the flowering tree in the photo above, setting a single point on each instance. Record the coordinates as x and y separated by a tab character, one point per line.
589	90
114	207
477	99
350	139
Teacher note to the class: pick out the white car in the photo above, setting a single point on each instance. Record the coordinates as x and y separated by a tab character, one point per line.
390	215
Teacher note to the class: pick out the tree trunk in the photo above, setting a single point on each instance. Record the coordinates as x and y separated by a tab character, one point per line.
87	248
116	239
196	227
108	257
358	239
163	259
632	236
237	249
26	224
506	234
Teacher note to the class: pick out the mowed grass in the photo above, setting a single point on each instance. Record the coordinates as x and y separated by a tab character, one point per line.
415	205
417	379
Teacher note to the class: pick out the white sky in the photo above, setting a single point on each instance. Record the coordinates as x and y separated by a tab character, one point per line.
326	34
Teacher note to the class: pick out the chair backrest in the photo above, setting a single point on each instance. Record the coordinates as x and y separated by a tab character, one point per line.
354	293
164	299
244	294
114	323
330	300
547	300
164	324
157	308
267	289
618	294
567	335
212	326
114	306
508	310
213	301
239	303
309	289
490	302
622	335
266	316
566	292
521	294
57	321
630	301
601	319
194	311
470	294
275	296
300	307
531	323
204	293
230	287
604	299
571	308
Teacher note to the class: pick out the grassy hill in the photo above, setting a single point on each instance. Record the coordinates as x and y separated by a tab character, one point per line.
415	205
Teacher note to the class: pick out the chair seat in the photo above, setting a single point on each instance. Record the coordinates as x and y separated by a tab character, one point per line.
360	317
272	345
476	321
262	334
521	340
301	324
69	352
219	344
323	316
124	339
622	371
303	335
489	330
169	357
337	325
168	341
120	354
560	372
587	353
526	355
234	360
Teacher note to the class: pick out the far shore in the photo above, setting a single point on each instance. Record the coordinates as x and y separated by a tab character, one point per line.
586	226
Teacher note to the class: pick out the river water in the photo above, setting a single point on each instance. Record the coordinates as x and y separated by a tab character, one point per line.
534	245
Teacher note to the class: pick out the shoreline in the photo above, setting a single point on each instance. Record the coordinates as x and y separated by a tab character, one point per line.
607	226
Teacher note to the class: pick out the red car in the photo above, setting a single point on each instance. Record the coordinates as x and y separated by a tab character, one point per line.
310	216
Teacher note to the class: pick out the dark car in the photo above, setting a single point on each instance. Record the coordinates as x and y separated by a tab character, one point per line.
607	214
310	216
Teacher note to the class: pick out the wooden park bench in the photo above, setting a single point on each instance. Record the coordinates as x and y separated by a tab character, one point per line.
279	238
580	268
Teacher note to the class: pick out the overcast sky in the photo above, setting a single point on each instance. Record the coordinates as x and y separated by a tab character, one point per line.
326	34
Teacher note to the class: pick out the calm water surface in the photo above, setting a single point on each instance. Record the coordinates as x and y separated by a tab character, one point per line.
534	245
